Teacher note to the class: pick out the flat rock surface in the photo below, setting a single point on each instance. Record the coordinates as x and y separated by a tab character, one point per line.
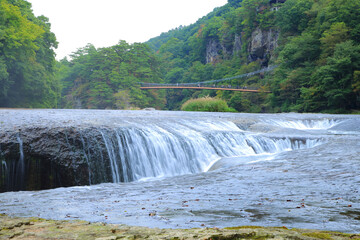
36	228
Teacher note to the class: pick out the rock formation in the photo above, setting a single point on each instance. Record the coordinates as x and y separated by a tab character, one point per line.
42	158
260	45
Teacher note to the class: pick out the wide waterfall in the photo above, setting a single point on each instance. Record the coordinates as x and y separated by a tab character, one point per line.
134	150
182	169
181	148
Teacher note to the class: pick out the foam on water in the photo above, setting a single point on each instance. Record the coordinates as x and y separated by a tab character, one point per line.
186	147
307	124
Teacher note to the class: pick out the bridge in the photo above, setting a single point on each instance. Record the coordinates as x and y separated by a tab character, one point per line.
200	87
213	84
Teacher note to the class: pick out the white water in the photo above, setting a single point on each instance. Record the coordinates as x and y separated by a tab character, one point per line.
146	149
186	147
272	174
305	124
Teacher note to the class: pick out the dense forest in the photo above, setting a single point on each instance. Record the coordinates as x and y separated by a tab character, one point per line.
108	77
315	43
27	58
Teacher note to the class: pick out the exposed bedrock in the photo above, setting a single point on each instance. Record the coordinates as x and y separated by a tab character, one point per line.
41	158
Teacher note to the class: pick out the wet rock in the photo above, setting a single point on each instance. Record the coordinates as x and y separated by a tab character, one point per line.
42	158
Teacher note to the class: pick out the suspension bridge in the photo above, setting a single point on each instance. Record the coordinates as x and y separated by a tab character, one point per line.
212	84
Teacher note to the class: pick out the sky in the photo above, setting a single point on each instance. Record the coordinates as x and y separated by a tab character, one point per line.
104	22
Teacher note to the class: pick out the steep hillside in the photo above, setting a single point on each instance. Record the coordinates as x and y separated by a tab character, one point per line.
316	44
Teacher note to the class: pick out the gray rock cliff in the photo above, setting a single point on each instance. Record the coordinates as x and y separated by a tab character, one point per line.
262	44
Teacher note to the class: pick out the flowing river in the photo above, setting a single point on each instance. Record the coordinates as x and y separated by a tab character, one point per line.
182	169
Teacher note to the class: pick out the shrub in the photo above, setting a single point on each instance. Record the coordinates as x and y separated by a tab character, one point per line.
206	104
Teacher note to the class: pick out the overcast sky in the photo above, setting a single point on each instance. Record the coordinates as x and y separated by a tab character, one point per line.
105	22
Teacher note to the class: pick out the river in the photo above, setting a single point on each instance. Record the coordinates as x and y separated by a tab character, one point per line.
187	169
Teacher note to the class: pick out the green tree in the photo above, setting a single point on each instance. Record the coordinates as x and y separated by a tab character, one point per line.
337	33
335	80
109	77
293	17
26	58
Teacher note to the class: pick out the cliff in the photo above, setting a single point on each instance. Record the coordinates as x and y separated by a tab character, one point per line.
261	45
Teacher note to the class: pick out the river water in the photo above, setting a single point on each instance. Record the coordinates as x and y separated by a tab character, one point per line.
186	170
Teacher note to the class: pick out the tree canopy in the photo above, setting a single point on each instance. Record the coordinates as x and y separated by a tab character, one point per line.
109	77
27	58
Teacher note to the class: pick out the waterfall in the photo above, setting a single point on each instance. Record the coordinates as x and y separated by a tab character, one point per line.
187	147
13	172
112	157
135	150
21	164
5	172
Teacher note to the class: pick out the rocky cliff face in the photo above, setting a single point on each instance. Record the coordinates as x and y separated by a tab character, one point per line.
260	47
213	51
262	44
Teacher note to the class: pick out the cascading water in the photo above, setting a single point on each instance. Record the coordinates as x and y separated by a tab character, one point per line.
293	170
21	163
305	124
142	149
186	147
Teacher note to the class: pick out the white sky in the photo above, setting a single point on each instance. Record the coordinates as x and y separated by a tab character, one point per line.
105	22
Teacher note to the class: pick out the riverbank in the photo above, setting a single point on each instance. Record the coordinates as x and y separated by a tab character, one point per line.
36	228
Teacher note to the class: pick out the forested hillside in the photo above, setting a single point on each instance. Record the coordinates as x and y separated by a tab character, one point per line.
27	58
316	43
108	77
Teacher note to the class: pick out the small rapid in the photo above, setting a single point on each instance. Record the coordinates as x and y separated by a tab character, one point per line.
307	124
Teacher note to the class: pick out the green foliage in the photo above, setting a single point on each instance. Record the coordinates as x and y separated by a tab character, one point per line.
183	51
317	50
301	50
206	104
293	17
337	33
109	77
320	57
239	103
26	58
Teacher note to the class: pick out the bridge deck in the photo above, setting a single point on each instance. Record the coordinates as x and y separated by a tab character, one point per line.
208	88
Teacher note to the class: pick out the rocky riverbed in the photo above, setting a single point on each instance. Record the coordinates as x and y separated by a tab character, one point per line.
178	170
36	228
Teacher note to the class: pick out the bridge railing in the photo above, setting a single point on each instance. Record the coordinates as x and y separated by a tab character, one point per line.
198	85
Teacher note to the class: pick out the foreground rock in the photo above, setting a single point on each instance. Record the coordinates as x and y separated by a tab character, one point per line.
35	228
